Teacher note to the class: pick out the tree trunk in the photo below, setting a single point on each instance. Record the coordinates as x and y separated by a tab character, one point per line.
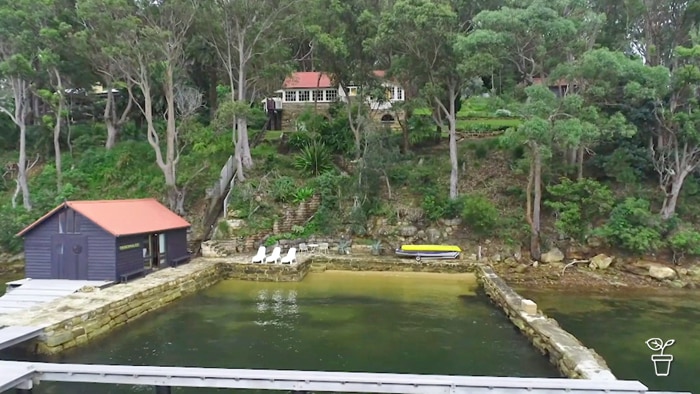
57	132
112	129
242	122
579	162
171	154
57	145
454	163
535	251
668	208
21	95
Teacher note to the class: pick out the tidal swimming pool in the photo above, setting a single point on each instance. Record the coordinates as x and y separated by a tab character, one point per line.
332	321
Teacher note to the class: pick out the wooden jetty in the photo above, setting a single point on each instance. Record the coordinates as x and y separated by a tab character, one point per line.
25	293
23	374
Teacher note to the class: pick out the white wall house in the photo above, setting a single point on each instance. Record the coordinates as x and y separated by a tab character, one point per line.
316	87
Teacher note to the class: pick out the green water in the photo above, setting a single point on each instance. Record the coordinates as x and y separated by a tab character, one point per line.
617	326
401	323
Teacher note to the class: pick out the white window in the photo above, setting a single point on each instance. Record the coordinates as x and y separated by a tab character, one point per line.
399	94
352	91
331	95
318	95
303	95
290	95
161	243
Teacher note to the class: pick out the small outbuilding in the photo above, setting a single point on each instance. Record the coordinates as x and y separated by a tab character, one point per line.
104	240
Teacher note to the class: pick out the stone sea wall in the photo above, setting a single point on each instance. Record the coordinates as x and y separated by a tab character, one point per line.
266	272
80	317
567	353
384	263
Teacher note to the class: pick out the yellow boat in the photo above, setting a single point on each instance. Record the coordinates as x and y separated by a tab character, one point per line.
429	251
431	248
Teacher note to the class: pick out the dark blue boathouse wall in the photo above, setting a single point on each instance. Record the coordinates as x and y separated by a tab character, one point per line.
101	251
129	255
41	241
37	249
176	241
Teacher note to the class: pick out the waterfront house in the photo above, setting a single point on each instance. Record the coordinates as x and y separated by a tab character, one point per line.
104	240
317	90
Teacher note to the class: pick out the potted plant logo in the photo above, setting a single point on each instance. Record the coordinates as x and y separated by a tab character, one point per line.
662	362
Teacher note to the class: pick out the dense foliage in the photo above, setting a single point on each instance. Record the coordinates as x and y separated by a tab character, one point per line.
595	113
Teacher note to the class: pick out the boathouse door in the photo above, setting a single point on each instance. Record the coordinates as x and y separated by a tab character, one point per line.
69	256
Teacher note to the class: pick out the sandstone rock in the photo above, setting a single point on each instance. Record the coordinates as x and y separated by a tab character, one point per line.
601	262
521	268
661	272
235	224
517	255
497	258
433	235
408	231
421	235
594	242
511	262
453	222
553	256
694	270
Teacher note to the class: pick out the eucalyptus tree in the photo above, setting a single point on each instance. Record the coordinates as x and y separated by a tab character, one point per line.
148	48
18	42
61	61
424	37
549	123
103	20
338	31
248	38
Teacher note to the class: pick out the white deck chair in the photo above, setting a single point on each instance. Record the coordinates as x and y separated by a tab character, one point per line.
303	248
323	247
260	256
275	256
291	257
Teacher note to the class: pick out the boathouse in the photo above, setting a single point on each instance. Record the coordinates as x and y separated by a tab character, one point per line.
104	240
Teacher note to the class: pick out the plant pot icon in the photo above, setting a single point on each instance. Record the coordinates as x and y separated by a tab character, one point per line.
662	364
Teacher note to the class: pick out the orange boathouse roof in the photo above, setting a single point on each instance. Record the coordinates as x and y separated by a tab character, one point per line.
122	217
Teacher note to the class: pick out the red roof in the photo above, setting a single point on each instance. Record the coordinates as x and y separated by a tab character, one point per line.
122	217
307	80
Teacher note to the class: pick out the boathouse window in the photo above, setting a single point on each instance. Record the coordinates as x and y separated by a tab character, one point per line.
68	222
318	95
304	95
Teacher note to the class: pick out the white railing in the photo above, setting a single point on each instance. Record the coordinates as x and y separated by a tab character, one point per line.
225	176
24	373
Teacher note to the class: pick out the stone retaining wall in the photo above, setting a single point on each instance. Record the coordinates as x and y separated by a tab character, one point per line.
567	353
383	263
266	272
80	317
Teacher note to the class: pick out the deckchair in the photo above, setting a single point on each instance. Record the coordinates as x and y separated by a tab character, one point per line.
260	256
291	257
275	256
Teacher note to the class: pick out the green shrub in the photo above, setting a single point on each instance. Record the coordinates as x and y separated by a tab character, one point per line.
437	206
479	214
314	159
299	139
303	194
579	204
632	226
685	241
283	189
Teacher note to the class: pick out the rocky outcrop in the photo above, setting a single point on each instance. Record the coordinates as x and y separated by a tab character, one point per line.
600	261
553	256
